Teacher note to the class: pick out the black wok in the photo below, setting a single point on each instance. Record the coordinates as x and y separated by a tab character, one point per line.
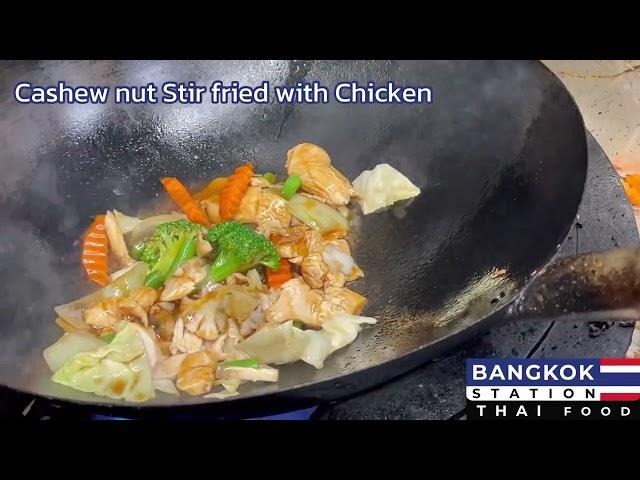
500	156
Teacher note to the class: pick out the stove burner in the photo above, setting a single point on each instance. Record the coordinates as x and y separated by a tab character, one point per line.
295	415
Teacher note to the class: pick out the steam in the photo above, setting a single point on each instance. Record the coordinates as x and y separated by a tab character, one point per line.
62	163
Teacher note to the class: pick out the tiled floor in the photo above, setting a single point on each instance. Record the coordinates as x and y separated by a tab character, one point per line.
608	95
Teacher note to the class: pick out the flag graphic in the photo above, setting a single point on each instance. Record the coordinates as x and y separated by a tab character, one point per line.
577	380
627	372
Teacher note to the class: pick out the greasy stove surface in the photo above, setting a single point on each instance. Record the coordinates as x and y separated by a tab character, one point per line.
436	390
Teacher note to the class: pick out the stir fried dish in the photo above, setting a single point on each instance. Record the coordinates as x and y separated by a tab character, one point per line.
249	273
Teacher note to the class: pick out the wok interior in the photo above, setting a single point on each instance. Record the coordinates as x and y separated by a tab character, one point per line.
500	148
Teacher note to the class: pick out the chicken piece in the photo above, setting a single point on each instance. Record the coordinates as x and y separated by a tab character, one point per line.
224	347
297	301
294	252
107	313
215	347
117	244
203	247
231	341
165	347
272	215
183	340
169	367
163	321
133	309
167	306
340	299
184	280
292	244
290	235
194	269
103	314
318	176
328	262
177	288
313	268
257	317
145	297
248	209
265	208
240	302
197	373
138	304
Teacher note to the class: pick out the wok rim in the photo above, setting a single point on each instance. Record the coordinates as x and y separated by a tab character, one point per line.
294	395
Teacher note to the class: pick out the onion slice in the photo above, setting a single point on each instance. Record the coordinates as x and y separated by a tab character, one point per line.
316	215
71	313
146	227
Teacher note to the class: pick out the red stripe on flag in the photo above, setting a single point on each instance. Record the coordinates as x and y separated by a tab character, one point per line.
619	361
619	397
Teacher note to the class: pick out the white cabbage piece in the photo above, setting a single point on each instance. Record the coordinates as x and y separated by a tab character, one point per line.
383	186
275	343
69	344
318	348
285	343
230	387
118	370
342	328
166	386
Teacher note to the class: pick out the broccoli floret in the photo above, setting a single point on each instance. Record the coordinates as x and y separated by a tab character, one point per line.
164	236
150	252
171	244
239	249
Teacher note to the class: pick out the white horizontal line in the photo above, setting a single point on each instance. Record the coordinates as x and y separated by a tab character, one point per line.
620	369
542	394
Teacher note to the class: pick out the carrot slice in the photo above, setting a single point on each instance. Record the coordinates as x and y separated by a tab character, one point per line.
179	193
233	191
276	278
95	251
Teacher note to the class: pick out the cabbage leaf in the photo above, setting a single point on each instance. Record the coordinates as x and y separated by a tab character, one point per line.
285	343
118	370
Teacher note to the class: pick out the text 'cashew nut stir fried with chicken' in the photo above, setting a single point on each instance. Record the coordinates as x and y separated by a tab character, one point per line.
251	274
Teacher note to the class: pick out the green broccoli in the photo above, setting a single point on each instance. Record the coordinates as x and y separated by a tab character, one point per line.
171	244
239	249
